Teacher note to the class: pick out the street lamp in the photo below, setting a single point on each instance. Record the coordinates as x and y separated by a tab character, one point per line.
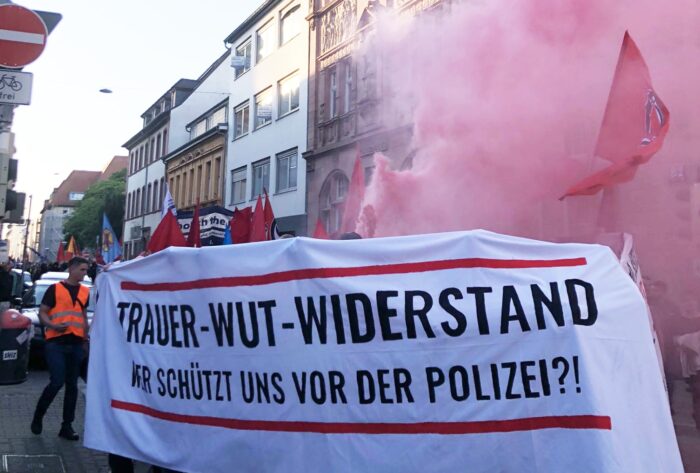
25	256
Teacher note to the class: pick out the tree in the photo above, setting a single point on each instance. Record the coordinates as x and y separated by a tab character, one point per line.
102	197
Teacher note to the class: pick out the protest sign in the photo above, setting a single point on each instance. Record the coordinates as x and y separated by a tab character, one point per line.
212	223
423	353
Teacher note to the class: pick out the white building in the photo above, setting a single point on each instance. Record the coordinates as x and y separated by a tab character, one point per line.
146	172
268	111
59	207
195	164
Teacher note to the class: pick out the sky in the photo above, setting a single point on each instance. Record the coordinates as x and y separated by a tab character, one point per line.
138	49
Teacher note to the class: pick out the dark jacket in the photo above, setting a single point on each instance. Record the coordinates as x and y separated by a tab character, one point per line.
6	283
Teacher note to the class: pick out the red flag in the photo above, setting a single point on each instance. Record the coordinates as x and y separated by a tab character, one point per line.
270	222
320	231
72	249
634	125
167	234
193	237
257	227
240	225
60	256
353	201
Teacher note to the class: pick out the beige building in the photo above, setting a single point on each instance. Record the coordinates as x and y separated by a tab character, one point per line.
194	171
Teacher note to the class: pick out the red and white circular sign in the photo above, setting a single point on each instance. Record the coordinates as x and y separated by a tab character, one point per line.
22	36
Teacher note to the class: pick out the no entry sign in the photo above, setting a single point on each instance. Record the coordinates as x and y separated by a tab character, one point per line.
22	36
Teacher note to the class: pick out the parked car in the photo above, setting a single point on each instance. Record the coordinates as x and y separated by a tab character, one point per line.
26	278
30	308
60	276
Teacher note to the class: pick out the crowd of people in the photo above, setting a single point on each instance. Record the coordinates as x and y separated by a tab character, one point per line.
677	326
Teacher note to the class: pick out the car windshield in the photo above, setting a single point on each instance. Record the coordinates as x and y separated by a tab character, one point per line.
40	290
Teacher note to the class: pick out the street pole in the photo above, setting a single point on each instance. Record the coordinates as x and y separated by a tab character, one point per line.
25	256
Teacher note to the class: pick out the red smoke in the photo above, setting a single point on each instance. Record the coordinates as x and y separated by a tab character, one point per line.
506	99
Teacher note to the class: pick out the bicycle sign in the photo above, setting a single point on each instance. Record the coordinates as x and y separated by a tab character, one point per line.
15	87
11	82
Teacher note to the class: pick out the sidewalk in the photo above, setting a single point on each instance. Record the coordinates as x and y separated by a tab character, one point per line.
24	452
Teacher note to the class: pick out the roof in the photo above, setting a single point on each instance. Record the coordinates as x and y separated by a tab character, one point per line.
117	164
211	68
148	130
182	84
257	15
77	181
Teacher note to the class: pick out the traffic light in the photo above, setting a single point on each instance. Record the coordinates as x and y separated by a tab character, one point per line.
8	174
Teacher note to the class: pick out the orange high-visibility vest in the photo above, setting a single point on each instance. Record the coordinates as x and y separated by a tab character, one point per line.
65	311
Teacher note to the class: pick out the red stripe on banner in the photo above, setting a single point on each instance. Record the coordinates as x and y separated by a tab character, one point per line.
316	273
376	428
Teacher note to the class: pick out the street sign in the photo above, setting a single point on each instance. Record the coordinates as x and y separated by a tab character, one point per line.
22	36
15	87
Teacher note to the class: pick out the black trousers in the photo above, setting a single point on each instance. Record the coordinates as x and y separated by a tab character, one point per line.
64	366
119	464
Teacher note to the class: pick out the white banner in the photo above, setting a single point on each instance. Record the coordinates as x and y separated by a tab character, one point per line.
467	351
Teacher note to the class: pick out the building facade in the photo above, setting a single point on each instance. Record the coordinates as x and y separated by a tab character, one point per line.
59	207
350	113
62	202
195	166
145	185
268	112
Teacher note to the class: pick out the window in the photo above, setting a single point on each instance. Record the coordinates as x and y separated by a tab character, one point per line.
207	180
217	177
137	209
261	177
198	129
342	188
289	94
287	170
162	193
155	196
241	118
238	181
147	154
241	60
199	182
290	24
158	148
76	195
263	108
217	118
332	199
165	142
265	41
332	106
153	150
140	156
348	87
148	200
191	187
143	200
128	205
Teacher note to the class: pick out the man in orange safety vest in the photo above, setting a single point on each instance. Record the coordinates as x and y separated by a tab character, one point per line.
63	312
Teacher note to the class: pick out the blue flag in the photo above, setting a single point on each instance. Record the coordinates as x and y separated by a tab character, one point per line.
111	249
227	235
